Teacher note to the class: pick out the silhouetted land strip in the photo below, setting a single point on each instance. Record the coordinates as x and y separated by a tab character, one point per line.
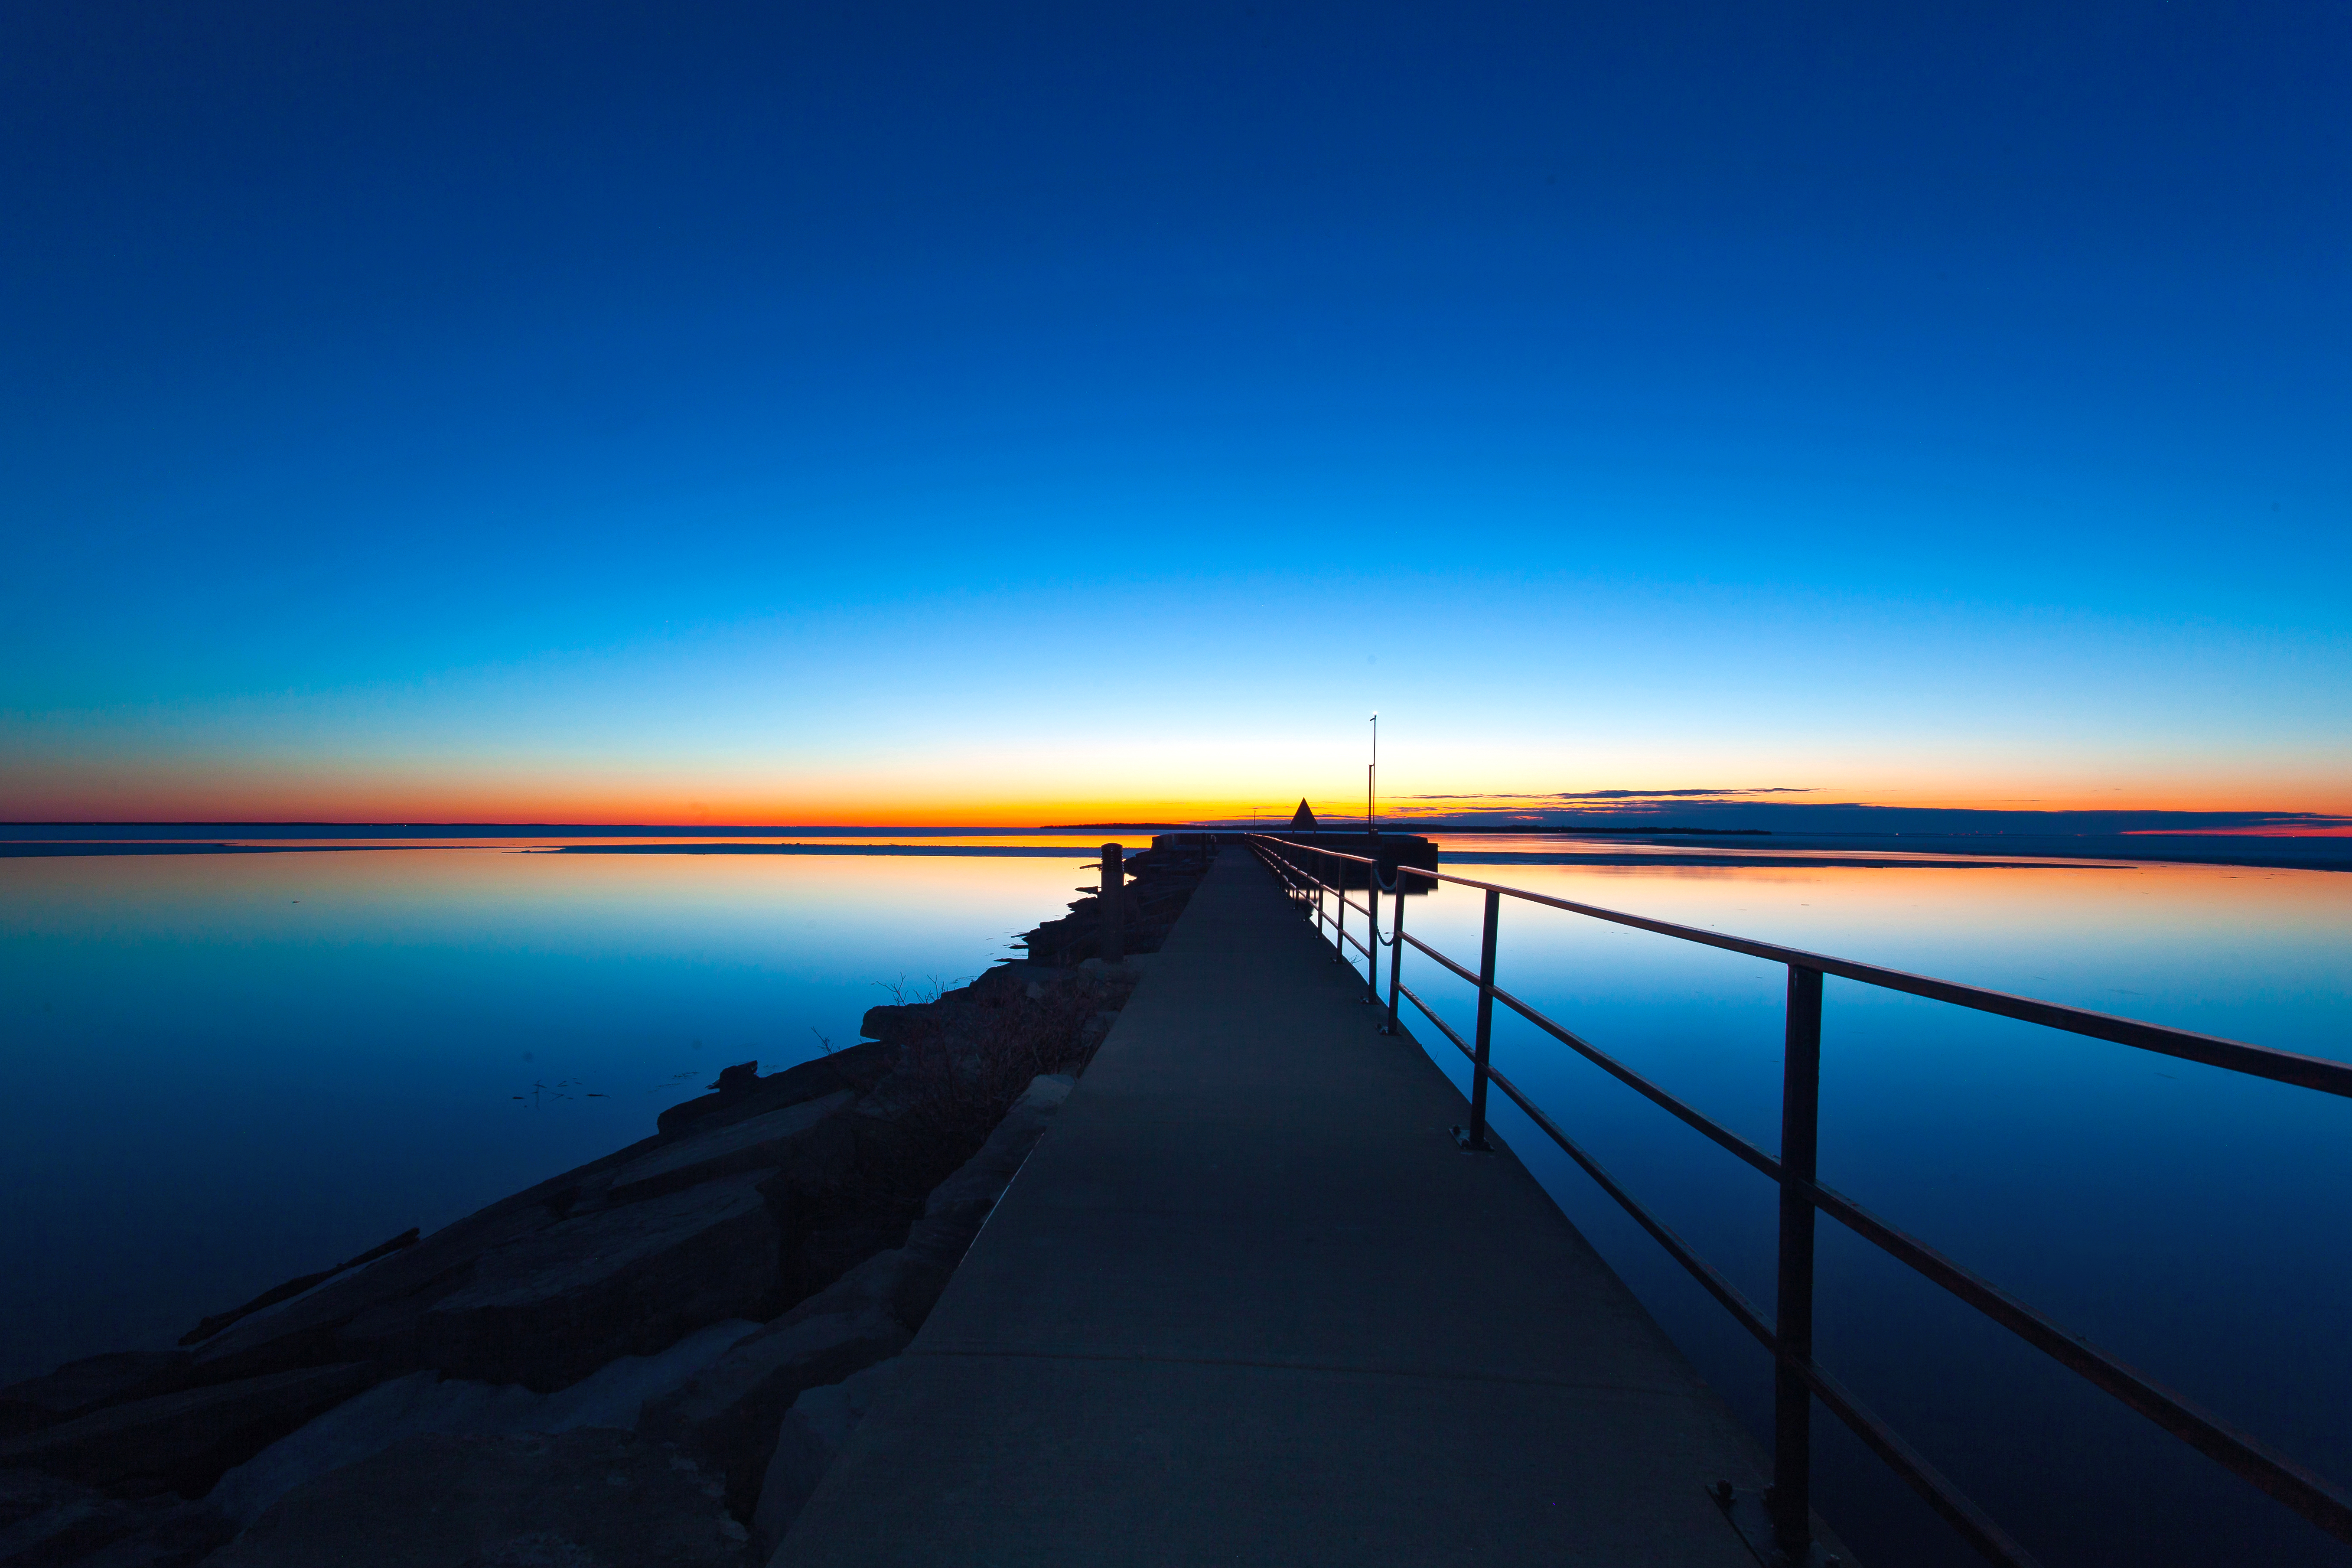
1778	862
1954	850
999	851
60	849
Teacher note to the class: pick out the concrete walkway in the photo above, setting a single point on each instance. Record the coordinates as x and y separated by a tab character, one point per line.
1248	1304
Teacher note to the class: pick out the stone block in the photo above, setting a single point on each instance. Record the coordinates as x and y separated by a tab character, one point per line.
803	1141
960	1205
549	1308
46	1521
183	1441
425	1402
390	1291
729	1414
857	1068
587	1499
813	1433
79	1387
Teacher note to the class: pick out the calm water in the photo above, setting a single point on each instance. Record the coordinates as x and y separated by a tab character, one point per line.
2194	1223
225	1070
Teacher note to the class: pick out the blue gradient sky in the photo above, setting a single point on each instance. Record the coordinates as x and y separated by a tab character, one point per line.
871	412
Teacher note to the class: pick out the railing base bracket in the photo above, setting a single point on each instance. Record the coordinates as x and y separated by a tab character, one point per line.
1746	1513
1462	1141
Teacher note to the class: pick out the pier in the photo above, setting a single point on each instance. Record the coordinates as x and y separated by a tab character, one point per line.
1251	1303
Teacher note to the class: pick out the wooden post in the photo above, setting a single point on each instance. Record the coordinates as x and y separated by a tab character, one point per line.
1114	897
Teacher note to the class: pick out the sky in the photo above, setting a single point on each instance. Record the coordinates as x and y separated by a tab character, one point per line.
849	412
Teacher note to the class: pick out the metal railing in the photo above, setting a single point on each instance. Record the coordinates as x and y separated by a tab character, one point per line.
1787	1334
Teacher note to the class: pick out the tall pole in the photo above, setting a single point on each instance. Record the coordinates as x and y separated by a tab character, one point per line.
1373	777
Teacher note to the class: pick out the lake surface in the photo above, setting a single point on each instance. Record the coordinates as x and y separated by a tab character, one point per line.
2192	1222
225	1070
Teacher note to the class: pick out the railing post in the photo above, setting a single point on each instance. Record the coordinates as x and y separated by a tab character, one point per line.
1372	935
1396	946
1792	1402
1485	1022
1114	898
1339	930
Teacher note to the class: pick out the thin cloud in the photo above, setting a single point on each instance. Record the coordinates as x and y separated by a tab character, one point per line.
1725	793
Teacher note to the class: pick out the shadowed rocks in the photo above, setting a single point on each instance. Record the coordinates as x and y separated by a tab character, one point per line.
814	1432
590	1499
183	1441
804	1137
731	1412
45	1518
779	1234
1159	882
550	1310
81	1386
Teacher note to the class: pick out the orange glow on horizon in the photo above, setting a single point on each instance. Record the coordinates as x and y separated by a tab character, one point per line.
989	796
426	806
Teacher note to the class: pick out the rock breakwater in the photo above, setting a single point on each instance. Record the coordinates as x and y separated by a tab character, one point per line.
661	1315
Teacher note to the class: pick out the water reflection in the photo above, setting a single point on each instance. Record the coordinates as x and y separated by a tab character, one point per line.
2193	1222
227	1070
224	1070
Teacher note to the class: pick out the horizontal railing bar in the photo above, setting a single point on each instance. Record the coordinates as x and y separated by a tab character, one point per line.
1460	1044
1947	1499
1705	1273
2240	1452
1732	1141
1729	1140
1315	879
1415	942
2235	1450
2235	1055
1972	1522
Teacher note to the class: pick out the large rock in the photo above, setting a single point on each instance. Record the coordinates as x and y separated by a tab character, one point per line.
728	1414
47	1518
44	1520
388	1293
183	1441
731	1412
815	1430
857	1069
373	1311
549	1308
960	1206
804	1139
459	1407
588	1498
79	1387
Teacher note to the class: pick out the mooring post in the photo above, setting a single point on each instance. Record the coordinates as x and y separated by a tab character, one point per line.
1792	1399
1114	896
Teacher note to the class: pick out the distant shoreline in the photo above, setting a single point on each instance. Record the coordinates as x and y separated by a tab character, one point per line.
1691	847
